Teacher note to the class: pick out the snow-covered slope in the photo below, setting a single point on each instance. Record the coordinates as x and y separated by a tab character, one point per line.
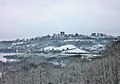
64	47
10	60
2	58
76	51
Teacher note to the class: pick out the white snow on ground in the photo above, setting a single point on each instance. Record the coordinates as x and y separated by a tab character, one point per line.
49	48
65	47
97	47
79	40
12	60
48	55
56	63
76	51
4	59
90	55
68	48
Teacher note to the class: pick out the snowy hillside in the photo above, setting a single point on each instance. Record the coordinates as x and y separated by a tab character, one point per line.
76	50
64	47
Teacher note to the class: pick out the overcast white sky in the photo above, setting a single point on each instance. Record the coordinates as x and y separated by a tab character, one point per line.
29	18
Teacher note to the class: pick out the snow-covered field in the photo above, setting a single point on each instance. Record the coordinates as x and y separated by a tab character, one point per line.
79	40
76	50
64	47
2	58
5	60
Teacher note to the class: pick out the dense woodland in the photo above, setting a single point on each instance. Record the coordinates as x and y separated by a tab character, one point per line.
103	70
